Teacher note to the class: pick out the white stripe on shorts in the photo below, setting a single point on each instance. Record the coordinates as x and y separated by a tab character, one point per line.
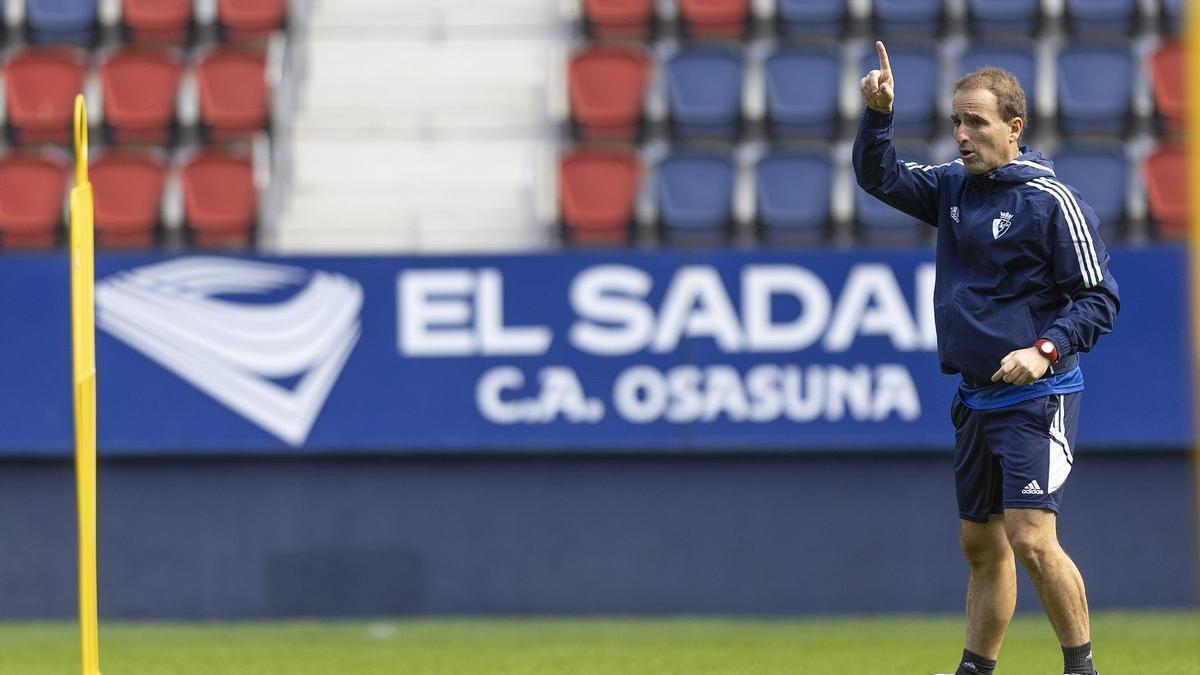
1060	451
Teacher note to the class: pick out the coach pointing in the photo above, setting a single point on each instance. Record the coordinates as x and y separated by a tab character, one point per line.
1023	287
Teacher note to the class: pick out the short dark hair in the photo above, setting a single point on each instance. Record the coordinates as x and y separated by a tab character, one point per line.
1009	95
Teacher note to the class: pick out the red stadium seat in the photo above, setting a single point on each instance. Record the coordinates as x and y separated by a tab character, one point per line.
619	18
31	201
606	85
715	18
1167	67
40	86
140	86
128	190
1165	173
234	101
598	188
219	199
158	21
251	18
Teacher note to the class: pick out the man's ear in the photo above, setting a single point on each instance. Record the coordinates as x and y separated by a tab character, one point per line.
1015	128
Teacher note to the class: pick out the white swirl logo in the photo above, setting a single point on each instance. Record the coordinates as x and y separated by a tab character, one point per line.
180	314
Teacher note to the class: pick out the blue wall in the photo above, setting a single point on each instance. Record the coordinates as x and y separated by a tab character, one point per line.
755	534
334	436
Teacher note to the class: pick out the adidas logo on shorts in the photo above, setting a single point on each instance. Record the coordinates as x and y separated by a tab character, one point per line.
1033	489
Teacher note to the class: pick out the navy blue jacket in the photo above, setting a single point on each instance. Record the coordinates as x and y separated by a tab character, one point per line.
1019	255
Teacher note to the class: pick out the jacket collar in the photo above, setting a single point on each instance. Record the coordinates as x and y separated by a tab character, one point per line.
1028	165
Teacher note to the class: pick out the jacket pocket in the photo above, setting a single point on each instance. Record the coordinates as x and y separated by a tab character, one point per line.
984	330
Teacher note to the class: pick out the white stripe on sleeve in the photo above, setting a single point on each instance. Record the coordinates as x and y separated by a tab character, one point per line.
1090	246
1088	267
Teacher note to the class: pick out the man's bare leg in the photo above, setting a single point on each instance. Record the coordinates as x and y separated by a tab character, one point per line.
992	589
1033	534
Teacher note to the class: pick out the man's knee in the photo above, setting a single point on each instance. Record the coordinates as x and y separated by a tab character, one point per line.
1034	546
985	545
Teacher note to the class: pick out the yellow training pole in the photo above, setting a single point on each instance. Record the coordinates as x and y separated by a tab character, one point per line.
1191	45
83	334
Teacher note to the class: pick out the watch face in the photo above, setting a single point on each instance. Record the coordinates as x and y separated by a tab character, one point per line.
1047	348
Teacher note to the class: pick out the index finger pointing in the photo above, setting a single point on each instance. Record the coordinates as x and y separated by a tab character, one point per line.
884	64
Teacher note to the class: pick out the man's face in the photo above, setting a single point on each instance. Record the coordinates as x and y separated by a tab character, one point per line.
985	141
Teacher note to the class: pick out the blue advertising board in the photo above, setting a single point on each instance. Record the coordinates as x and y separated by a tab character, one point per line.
786	351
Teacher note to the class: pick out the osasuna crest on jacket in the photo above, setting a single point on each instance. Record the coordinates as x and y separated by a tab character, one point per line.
1000	225
1019	255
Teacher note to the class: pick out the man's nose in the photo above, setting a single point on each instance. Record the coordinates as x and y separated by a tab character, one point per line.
960	135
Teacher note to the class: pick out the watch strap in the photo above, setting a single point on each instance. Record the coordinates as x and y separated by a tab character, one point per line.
1048	349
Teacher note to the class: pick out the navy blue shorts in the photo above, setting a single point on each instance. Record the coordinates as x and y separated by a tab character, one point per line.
1013	457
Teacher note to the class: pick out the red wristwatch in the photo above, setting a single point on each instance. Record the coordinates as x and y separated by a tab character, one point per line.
1047	349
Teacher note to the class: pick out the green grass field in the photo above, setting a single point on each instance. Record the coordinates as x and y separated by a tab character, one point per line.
1126	643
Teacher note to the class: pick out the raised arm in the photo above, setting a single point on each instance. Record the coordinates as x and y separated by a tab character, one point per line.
908	187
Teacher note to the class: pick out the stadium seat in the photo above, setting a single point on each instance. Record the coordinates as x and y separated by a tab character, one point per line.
694	195
157	21
792	197
804	18
1101	174
619	18
802	92
1172	16
140	87
598	189
1017	60
1109	17
605	86
234	101
1167	66
40	88
909	18
219	200
879	223
1165	176
128	188
32	188
239	19
715	18
704	92
60	21
1095	90
914	112
1009	17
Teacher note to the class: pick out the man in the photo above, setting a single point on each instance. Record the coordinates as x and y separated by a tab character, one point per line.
1023	287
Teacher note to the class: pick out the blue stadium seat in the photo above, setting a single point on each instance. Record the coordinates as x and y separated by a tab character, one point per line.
879	223
1172	16
1088	17
792	195
913	18
1015	17
811	17
1017	60
1101	174
802	92
1095	90
917	69
60	21
694	193
704	92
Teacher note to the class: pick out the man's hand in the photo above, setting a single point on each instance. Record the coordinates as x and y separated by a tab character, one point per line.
1022	366
877	86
